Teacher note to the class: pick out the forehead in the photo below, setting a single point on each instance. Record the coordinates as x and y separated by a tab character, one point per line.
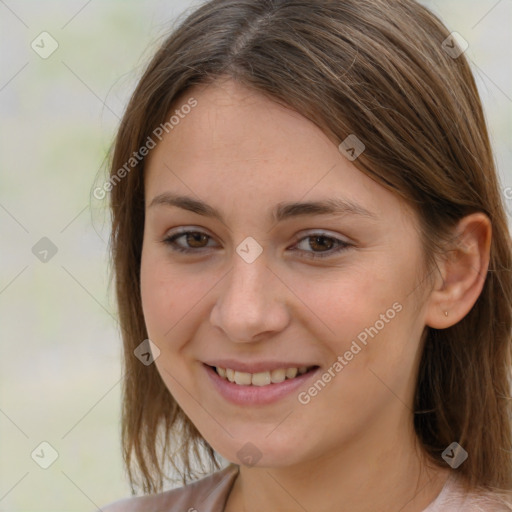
237	142
234	125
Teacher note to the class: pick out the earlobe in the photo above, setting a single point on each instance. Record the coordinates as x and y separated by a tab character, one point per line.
462	272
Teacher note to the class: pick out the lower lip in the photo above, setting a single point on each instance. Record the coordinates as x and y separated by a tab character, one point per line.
256	395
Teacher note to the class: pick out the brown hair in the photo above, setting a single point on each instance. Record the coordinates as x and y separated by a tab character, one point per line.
377	69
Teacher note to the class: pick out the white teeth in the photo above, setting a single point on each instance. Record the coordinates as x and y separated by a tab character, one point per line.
291	373
278	376
260	378
243	378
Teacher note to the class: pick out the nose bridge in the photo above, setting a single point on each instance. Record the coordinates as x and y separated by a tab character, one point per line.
246	283
249	301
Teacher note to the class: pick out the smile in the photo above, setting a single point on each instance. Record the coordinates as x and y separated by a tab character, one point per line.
260	378
259	387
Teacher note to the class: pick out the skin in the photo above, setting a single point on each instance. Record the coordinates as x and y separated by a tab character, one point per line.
353	443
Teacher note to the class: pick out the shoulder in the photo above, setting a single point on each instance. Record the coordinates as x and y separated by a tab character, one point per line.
208	495
456	497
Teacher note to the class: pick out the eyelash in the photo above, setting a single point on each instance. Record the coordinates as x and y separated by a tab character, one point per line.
341	245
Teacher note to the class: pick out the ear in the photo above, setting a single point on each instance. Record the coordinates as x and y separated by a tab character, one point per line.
462	272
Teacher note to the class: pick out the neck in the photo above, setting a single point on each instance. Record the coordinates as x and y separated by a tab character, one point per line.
390	472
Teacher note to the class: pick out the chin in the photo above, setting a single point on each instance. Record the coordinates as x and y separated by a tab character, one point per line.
255	448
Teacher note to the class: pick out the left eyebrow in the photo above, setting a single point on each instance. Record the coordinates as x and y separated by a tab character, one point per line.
330	206
282	211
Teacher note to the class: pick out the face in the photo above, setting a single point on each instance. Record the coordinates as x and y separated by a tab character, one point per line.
312	308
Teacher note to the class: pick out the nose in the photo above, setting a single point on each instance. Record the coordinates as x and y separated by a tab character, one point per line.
251	304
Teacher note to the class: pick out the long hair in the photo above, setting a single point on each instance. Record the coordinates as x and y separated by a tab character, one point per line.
379	69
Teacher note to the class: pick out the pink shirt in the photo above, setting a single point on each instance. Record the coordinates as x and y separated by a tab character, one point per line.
210	495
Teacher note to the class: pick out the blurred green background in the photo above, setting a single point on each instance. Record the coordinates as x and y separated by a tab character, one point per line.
60	347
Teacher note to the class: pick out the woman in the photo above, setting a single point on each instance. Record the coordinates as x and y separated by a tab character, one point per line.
312	265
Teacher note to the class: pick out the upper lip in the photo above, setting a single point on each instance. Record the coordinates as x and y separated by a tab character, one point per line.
256	366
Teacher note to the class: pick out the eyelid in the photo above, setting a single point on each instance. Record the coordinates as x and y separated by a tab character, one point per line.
298	237
340	245
172	235
187	229
321	232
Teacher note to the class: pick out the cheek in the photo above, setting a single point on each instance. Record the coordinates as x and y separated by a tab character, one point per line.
343	304
156	298
163	300
168	299
165	294
173	300
364	315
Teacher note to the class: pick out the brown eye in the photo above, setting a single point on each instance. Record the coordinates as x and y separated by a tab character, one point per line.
188	241
321	243
196	239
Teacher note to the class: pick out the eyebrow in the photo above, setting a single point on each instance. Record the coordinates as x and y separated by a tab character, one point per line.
281	212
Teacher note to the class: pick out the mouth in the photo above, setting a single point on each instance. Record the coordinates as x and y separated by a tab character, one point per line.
264	378
259	388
